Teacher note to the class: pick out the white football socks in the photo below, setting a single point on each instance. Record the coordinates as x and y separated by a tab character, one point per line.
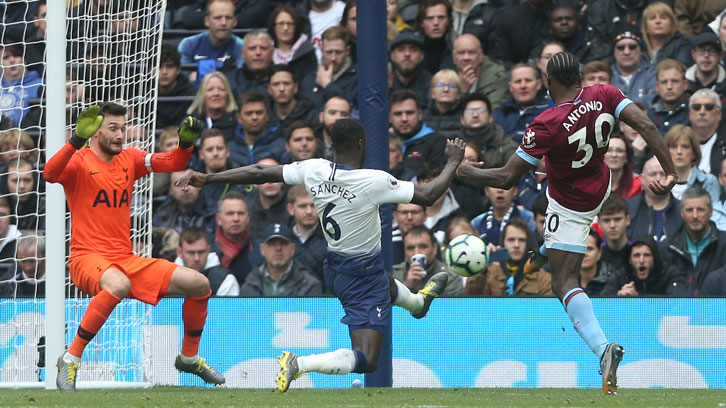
70	358
341	361
579	308
413	302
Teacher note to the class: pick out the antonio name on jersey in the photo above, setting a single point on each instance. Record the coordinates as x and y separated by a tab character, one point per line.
578	112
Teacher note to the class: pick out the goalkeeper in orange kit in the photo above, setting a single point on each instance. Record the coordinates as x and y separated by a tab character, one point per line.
98	182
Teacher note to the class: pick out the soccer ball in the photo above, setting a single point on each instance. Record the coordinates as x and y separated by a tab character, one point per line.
466	255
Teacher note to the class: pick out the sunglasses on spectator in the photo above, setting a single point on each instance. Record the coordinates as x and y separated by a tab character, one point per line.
470	111
443	85
697	106
631	47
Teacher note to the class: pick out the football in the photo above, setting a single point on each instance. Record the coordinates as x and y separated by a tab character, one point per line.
466	255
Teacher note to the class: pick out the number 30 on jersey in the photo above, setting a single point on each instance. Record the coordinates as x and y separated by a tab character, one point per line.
581	138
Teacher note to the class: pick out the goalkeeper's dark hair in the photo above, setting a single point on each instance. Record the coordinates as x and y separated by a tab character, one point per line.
565	68
346	133
113	109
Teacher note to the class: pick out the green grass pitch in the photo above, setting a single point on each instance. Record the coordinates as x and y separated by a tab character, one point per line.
179	397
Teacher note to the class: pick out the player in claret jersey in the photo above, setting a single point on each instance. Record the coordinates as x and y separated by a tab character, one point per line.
99	182
574	137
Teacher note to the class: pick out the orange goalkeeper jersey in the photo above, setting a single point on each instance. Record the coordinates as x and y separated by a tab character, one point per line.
99	194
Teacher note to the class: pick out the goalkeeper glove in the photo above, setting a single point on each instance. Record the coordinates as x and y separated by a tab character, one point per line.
88	123
189	131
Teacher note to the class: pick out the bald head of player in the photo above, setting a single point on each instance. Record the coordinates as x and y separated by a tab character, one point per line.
563	76
349	142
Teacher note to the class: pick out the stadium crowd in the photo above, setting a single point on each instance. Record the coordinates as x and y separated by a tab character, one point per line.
268	79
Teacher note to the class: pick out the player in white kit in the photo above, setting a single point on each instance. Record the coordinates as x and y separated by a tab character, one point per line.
347	199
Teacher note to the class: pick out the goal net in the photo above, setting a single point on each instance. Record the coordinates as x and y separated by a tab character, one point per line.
112	50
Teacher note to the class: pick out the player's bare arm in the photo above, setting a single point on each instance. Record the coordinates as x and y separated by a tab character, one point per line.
427	194
252	174
502	177
636	118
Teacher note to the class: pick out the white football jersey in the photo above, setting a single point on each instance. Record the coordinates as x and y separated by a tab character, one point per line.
347	202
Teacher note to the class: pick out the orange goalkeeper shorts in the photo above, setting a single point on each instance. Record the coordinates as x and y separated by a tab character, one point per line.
149	276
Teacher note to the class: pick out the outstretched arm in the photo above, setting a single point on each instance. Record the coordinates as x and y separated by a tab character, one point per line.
638	120
428	193
252	174
502	177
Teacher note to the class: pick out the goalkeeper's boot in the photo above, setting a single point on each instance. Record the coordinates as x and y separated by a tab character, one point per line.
67	374
289	370
433	289
609	367
535	262
200	369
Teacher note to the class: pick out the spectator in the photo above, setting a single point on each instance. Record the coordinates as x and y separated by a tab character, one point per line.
182	208
507	277
433	21
406	216
686	154
470	196
443	113
478	72
458	226
539	209
514	46
698	247
565	27
645	274
172	82
35	43
478	125
546	51
280	274
722	181
217	46
641	151
619	159
336	107
300	141
292	45
393	17
337	74
195	252
650	213
18	85
248	14
670	105
660	34
445	207
29	271
28	206
605	19
707	72
594	272
8	238
715	283
419	240
632	74
517	112
694	16
232	238
460	12
255	137
614	220
421	144
408	72
214	104
481	21
395	159
16	143
491	223
322	15
166	142
349	22
16	16
268	205
705	117
310	243
255	71
597	73
287	104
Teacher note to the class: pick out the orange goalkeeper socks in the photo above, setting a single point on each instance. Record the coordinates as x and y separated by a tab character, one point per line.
98	311
194	314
